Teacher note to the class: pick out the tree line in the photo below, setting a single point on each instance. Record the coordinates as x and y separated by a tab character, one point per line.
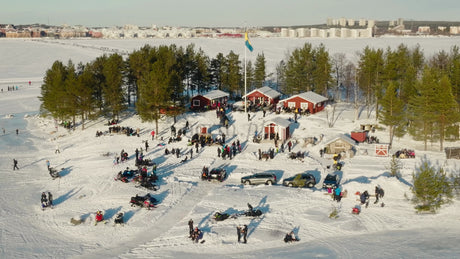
409	93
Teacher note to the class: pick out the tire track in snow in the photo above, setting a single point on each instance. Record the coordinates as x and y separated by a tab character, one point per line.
167	220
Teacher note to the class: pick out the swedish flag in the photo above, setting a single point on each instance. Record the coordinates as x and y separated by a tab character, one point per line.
247	42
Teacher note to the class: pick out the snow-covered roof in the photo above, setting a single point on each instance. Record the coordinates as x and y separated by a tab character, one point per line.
279	121
344	138
309	96
214	94
267	91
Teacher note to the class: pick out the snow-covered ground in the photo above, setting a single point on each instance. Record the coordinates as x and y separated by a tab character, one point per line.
87	183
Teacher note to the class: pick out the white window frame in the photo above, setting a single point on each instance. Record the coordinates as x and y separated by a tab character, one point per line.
196	102
291	104
304	106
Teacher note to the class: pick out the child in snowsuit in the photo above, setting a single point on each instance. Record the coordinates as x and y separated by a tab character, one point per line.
99	216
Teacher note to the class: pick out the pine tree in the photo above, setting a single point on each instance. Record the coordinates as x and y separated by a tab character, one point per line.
392	113
259	71
217	71
53	91
322	73
233	78
431	188
422	115
249	75
114	97
445	107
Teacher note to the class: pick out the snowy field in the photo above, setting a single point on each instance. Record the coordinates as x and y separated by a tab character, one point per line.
87	183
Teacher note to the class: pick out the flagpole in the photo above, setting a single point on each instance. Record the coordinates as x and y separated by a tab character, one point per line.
245	92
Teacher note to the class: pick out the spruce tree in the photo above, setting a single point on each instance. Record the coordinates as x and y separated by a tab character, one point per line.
114	96
259	71
392	113
422	115
431	188
445	107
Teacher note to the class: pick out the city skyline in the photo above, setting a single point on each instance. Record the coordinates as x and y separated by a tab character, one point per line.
207	13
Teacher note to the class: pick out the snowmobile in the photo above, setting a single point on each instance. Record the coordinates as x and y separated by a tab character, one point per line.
147	184
46	202
146	201
146	162
54	173
221	216
251	212
119	219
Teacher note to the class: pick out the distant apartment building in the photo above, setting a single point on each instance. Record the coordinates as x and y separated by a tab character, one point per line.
454	29
424	29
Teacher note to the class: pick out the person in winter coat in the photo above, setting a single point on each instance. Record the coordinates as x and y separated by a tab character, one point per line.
289	145
50	199
238	232
146	146
378	193
44	200
244	231
290	237
15	164
364	197
99	216
119	219
338	194
190	227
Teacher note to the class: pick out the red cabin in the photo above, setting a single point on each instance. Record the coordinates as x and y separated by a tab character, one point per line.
264	95
210	100
308	101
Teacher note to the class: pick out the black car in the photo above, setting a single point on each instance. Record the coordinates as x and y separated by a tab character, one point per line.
331	181
300	180
259	178
215	174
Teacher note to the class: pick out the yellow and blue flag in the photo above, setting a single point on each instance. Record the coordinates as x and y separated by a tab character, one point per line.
247	42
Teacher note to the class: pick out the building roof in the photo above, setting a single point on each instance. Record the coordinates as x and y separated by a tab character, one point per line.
279	121
215	94
309	96
267	91
342	137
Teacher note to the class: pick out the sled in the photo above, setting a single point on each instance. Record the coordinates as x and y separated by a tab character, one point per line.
104	221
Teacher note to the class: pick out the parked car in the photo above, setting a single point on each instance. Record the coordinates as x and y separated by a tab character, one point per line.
215	174
259	178
331	181
300	180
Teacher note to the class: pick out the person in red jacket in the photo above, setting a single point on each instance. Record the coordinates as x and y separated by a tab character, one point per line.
99	216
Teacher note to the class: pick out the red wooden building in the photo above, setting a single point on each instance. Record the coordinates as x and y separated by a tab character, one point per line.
210	100
277	127
310	101
264	95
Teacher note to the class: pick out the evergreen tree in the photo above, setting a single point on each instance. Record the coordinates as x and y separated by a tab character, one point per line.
445	107
233	77
114	97
322	77
156	89
422	114
392	114
249	75
370	72
217	71
201	77
259	71
298	72
139	64
53	91
86	99
454	72
431	188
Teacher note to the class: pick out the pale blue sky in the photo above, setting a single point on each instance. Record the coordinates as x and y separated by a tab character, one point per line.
233	13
